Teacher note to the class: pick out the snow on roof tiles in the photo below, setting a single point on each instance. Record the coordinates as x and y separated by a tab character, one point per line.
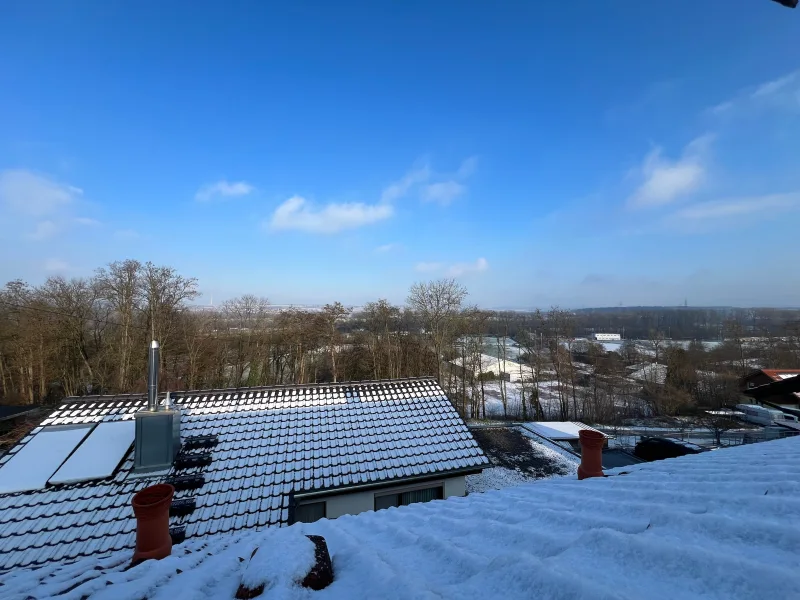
715	525
271	441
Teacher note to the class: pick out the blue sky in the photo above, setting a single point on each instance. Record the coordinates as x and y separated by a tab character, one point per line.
572	153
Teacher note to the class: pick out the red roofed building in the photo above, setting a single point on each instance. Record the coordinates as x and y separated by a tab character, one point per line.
768	376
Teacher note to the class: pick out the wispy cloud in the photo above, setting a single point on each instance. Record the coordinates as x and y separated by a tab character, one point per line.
459	269
28	193
781	93
443	192
467	167
453	270
776	86
665	180
728	213
387	248
299	214
403	186
448	189
86	221
223	189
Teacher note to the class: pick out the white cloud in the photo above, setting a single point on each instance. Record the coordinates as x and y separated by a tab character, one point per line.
28	193
223	189
663	180
86	221
770	88
387	248
737	207
453	270
443	192
56	264
299	214
723	107
459	269
402	187
44	230
780	93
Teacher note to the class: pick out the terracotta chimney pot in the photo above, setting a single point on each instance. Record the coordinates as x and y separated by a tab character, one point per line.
592	443
151	507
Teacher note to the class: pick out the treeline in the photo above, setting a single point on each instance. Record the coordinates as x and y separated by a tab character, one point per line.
683	323
90	335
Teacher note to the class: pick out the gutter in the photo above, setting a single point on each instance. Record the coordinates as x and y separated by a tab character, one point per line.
346	489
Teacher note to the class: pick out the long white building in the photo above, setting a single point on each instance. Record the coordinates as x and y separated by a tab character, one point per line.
606	337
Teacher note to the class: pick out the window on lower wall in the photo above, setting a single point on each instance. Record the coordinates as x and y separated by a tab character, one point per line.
309	512
409	497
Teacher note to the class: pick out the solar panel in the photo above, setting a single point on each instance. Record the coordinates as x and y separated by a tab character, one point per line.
35	462
99	455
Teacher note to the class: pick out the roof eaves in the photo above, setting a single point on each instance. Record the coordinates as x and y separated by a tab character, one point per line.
344	489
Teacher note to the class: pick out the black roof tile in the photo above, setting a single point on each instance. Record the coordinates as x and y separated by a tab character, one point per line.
264	444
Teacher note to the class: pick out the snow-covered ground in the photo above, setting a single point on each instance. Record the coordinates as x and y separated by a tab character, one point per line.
548	398
718	525
496	478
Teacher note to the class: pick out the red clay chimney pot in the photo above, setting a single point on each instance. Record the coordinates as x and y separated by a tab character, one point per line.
151	507
592	443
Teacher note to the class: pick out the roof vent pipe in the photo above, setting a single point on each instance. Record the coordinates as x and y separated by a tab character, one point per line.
152	376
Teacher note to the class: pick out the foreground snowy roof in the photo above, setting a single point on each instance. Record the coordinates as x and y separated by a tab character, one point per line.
272	443
717	525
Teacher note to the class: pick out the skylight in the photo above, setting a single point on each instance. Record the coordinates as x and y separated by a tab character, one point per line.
35	462
99	455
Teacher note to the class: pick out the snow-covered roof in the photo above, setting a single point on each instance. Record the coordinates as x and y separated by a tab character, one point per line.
715	525
270	444
559	430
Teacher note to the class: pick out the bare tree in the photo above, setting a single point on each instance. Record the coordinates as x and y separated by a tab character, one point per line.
437	303
332	315
717	423
120	285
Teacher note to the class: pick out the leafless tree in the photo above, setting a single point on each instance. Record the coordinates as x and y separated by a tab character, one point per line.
120	285
438	303
332	316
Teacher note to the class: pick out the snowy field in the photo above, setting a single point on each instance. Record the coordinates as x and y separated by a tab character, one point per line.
548	398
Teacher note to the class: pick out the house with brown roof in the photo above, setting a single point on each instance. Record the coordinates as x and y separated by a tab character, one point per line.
763	377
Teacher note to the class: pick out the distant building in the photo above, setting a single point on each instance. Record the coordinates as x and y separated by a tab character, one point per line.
606	337
780	395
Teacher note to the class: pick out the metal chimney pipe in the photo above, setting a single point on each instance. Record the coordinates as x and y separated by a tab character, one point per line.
152	376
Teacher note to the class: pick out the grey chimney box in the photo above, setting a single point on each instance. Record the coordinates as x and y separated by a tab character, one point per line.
158	430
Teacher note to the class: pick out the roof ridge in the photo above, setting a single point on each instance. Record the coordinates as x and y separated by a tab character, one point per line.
137	395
